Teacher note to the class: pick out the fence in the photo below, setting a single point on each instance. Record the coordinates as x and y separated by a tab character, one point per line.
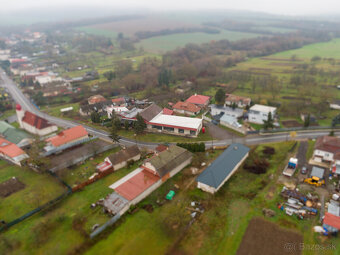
92	180
314	128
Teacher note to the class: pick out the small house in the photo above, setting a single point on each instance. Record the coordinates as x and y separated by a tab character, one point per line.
327	149
199	100
120	159
186	108
239	101
259	113
11	152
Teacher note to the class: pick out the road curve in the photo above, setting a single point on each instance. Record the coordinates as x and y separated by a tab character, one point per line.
26	104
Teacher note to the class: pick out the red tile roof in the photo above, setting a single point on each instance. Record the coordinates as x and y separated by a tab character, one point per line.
67	136
118	100
10	149
167	111
36	121
198	99
332	220
161	148
136	185
328	143
186	106
96	99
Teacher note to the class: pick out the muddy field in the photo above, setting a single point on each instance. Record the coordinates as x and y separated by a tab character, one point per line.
150	23
291	123
265	238
10	186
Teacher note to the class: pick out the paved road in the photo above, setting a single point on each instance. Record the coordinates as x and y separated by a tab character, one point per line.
20	98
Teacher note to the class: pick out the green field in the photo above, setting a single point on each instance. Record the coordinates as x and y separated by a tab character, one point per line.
325	50
63	228
33	195
171	42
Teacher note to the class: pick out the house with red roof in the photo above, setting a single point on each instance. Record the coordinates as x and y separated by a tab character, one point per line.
167	111
11	152
331	222
186	108
199	100
96	99
119	101
34	124
327	149
66	139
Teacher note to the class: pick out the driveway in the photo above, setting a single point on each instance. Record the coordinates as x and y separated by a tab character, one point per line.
218	133
302	161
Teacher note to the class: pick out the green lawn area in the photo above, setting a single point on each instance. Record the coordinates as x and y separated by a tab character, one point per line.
171	42
159	138
80	173
63	228
310	150
329	49
39	189
6	114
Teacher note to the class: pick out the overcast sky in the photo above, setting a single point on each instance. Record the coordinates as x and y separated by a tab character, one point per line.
290	7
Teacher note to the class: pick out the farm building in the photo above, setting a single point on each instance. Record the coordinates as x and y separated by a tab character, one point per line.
33	123
186	108
259	113
213	178
66	139
229	111
137	185
199	100
11	152
327	149
120	159
239	101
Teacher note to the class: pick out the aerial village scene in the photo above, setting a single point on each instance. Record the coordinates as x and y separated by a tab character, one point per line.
108	147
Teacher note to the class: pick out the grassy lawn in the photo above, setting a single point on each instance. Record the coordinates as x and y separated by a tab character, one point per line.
310	150
55	110
33	195
6	114
80	173
63	228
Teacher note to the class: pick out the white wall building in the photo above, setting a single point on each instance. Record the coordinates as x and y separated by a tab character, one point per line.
259	113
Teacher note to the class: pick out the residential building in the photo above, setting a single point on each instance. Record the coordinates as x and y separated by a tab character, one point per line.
327	149
11	152
86	110
167	111
150	112
33	123
230	122
199	100
119	101
213	178
331	222
176	125
14	135
115	109
120	159
239	101
96	99
226	110
335	105
186	108
259	113
66	139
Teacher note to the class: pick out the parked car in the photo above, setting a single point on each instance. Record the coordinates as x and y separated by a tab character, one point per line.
304	170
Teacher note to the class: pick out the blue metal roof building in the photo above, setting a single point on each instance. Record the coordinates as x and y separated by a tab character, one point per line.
212	178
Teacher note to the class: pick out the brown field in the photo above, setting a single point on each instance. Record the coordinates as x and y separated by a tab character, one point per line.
10	186
149	23
265	238
291	123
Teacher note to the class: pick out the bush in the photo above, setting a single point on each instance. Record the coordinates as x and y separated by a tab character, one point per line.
193	147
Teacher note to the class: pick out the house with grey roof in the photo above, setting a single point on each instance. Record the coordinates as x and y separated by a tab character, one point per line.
120	159
213	178
15	135
226	110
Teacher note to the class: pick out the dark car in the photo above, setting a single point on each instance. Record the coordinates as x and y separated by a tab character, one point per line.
304	170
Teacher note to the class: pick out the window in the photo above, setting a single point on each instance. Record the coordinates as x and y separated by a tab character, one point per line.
157	127
192	132
169	129
181	131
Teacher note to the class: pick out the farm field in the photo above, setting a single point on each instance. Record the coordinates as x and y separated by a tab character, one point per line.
220	229
170	42
288	96
32	193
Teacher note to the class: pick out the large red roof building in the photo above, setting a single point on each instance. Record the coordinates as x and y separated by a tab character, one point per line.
11	152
